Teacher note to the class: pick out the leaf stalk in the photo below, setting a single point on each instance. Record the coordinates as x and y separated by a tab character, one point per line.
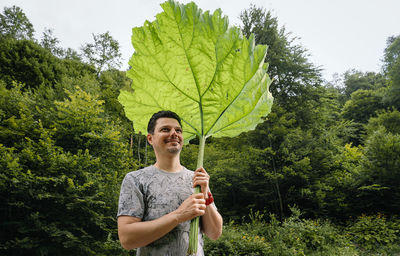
194	224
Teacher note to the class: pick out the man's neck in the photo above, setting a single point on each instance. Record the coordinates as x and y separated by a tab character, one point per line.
169	164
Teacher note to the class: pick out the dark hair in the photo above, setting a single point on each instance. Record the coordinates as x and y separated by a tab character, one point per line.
160	114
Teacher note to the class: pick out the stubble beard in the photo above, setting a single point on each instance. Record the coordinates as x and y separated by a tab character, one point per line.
174	150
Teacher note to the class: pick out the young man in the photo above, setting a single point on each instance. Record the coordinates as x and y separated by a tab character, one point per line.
156	203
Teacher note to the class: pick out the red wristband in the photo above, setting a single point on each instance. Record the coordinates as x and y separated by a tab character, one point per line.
210	199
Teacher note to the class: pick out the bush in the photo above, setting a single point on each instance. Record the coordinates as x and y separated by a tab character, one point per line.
293	236
235	241
304	237
373	233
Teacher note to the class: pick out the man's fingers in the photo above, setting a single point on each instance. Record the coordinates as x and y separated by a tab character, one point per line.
200	169
198	196
199	204
200	177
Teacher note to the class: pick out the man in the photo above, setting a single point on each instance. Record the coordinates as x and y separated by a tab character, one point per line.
156	203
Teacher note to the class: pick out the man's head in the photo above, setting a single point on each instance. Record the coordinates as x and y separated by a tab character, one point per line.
165	133
163	113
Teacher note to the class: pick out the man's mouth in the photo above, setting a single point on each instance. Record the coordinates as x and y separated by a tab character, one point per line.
172	141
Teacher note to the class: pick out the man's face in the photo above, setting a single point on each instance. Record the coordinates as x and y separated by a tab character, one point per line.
167	137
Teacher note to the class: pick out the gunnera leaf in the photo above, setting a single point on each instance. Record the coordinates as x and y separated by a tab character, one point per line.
191	62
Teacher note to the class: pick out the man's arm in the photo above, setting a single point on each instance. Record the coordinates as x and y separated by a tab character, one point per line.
134	233
211	222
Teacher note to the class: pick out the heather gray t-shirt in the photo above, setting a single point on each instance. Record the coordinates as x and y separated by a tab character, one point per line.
151	193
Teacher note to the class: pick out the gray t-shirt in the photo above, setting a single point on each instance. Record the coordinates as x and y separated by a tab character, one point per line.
151	193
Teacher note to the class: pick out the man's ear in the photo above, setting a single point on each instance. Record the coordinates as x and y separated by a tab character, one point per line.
150	138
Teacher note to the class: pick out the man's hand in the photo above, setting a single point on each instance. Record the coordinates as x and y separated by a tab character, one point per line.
201	178
211	221
193	206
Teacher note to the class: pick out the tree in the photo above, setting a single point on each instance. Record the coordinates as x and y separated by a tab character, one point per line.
355	80
379	179
288	63
51	43
72	54
58	200
299	137
335	192
362	105
391	53
15	24
392	69
359	109
27	62
381	165
103	53
389	119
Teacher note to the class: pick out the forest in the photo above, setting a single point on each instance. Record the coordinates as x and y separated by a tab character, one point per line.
319	176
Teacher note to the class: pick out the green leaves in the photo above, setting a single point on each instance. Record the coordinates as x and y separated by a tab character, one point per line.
190	62
61	156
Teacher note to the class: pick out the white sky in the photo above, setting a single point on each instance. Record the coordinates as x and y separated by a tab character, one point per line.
339	34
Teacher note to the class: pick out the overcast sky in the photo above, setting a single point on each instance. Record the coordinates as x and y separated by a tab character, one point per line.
338	34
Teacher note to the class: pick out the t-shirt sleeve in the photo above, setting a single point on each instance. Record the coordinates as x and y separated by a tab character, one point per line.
130	199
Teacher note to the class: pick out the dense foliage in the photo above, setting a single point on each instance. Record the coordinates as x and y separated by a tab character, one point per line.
320	176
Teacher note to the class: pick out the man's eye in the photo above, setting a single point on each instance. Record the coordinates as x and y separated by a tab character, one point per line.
178	130
165	129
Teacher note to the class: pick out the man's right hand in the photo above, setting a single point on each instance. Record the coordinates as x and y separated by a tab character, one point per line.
193	206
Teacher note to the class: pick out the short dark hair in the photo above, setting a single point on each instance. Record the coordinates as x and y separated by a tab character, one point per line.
160	114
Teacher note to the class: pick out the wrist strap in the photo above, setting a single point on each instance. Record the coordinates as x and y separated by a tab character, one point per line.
210	199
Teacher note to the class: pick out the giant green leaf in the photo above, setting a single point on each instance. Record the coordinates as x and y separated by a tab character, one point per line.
194	64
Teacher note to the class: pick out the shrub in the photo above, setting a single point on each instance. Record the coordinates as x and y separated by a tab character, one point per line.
293	236
235	241
374	232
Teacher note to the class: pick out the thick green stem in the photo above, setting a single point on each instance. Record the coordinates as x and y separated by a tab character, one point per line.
200	156
194	224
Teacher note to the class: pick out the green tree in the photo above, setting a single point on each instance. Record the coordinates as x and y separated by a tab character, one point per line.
379	180
51	43
369	177
27	62
103	53
389	119
335	193
300	136
288	64
355	80
381	165
362	106
72	54
15	24
391	53
59	200
359	109
111	82
392	69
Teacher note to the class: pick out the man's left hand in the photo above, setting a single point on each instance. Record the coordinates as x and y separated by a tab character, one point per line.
201	178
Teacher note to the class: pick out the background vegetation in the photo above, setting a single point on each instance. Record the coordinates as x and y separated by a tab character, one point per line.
321	175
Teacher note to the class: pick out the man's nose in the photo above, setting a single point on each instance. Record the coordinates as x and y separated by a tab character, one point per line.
173	132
